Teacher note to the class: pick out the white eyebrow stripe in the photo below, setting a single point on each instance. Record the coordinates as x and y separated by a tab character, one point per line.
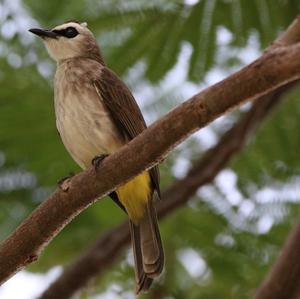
66	25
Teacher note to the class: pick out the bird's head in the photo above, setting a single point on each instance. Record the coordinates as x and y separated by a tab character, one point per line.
69	40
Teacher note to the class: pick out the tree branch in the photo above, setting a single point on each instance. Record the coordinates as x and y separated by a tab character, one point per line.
283	280
109	247
273	69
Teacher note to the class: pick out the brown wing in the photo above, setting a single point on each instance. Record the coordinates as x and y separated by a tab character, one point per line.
124	110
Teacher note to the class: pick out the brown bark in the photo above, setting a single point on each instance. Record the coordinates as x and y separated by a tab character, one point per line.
283	281
273	69
105	251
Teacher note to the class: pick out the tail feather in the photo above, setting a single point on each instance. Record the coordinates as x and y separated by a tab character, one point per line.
147	249
151	245
143	282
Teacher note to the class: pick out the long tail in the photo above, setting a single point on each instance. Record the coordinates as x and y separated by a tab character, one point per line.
147	249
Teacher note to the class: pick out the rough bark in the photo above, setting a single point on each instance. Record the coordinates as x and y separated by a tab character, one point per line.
275	68
110	246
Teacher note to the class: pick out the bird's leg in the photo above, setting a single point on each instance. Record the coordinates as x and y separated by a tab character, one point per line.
96	162
63	183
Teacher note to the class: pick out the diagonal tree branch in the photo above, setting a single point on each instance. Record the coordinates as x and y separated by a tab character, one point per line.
275	68
283	281
109	247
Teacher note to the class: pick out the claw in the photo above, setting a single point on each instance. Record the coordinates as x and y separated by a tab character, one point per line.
96	162
64	183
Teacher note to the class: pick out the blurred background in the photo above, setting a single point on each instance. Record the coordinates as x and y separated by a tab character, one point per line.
223	242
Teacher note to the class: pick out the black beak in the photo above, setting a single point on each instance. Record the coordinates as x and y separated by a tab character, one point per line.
43	33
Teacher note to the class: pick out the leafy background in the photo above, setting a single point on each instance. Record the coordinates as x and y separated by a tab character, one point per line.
228	236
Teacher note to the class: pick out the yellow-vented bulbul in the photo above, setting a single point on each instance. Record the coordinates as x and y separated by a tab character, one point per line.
96	115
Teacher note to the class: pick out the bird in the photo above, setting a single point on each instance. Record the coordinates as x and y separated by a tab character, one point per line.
96	114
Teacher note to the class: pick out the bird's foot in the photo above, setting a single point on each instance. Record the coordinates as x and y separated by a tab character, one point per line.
64	183
96	162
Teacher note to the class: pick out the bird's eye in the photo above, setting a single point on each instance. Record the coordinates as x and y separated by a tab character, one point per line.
70	32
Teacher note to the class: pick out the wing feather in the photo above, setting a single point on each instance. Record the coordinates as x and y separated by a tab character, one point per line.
124	110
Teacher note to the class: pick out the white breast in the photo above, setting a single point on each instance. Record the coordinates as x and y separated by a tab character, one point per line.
84	124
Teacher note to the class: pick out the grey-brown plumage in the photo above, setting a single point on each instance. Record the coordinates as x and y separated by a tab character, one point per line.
97	114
